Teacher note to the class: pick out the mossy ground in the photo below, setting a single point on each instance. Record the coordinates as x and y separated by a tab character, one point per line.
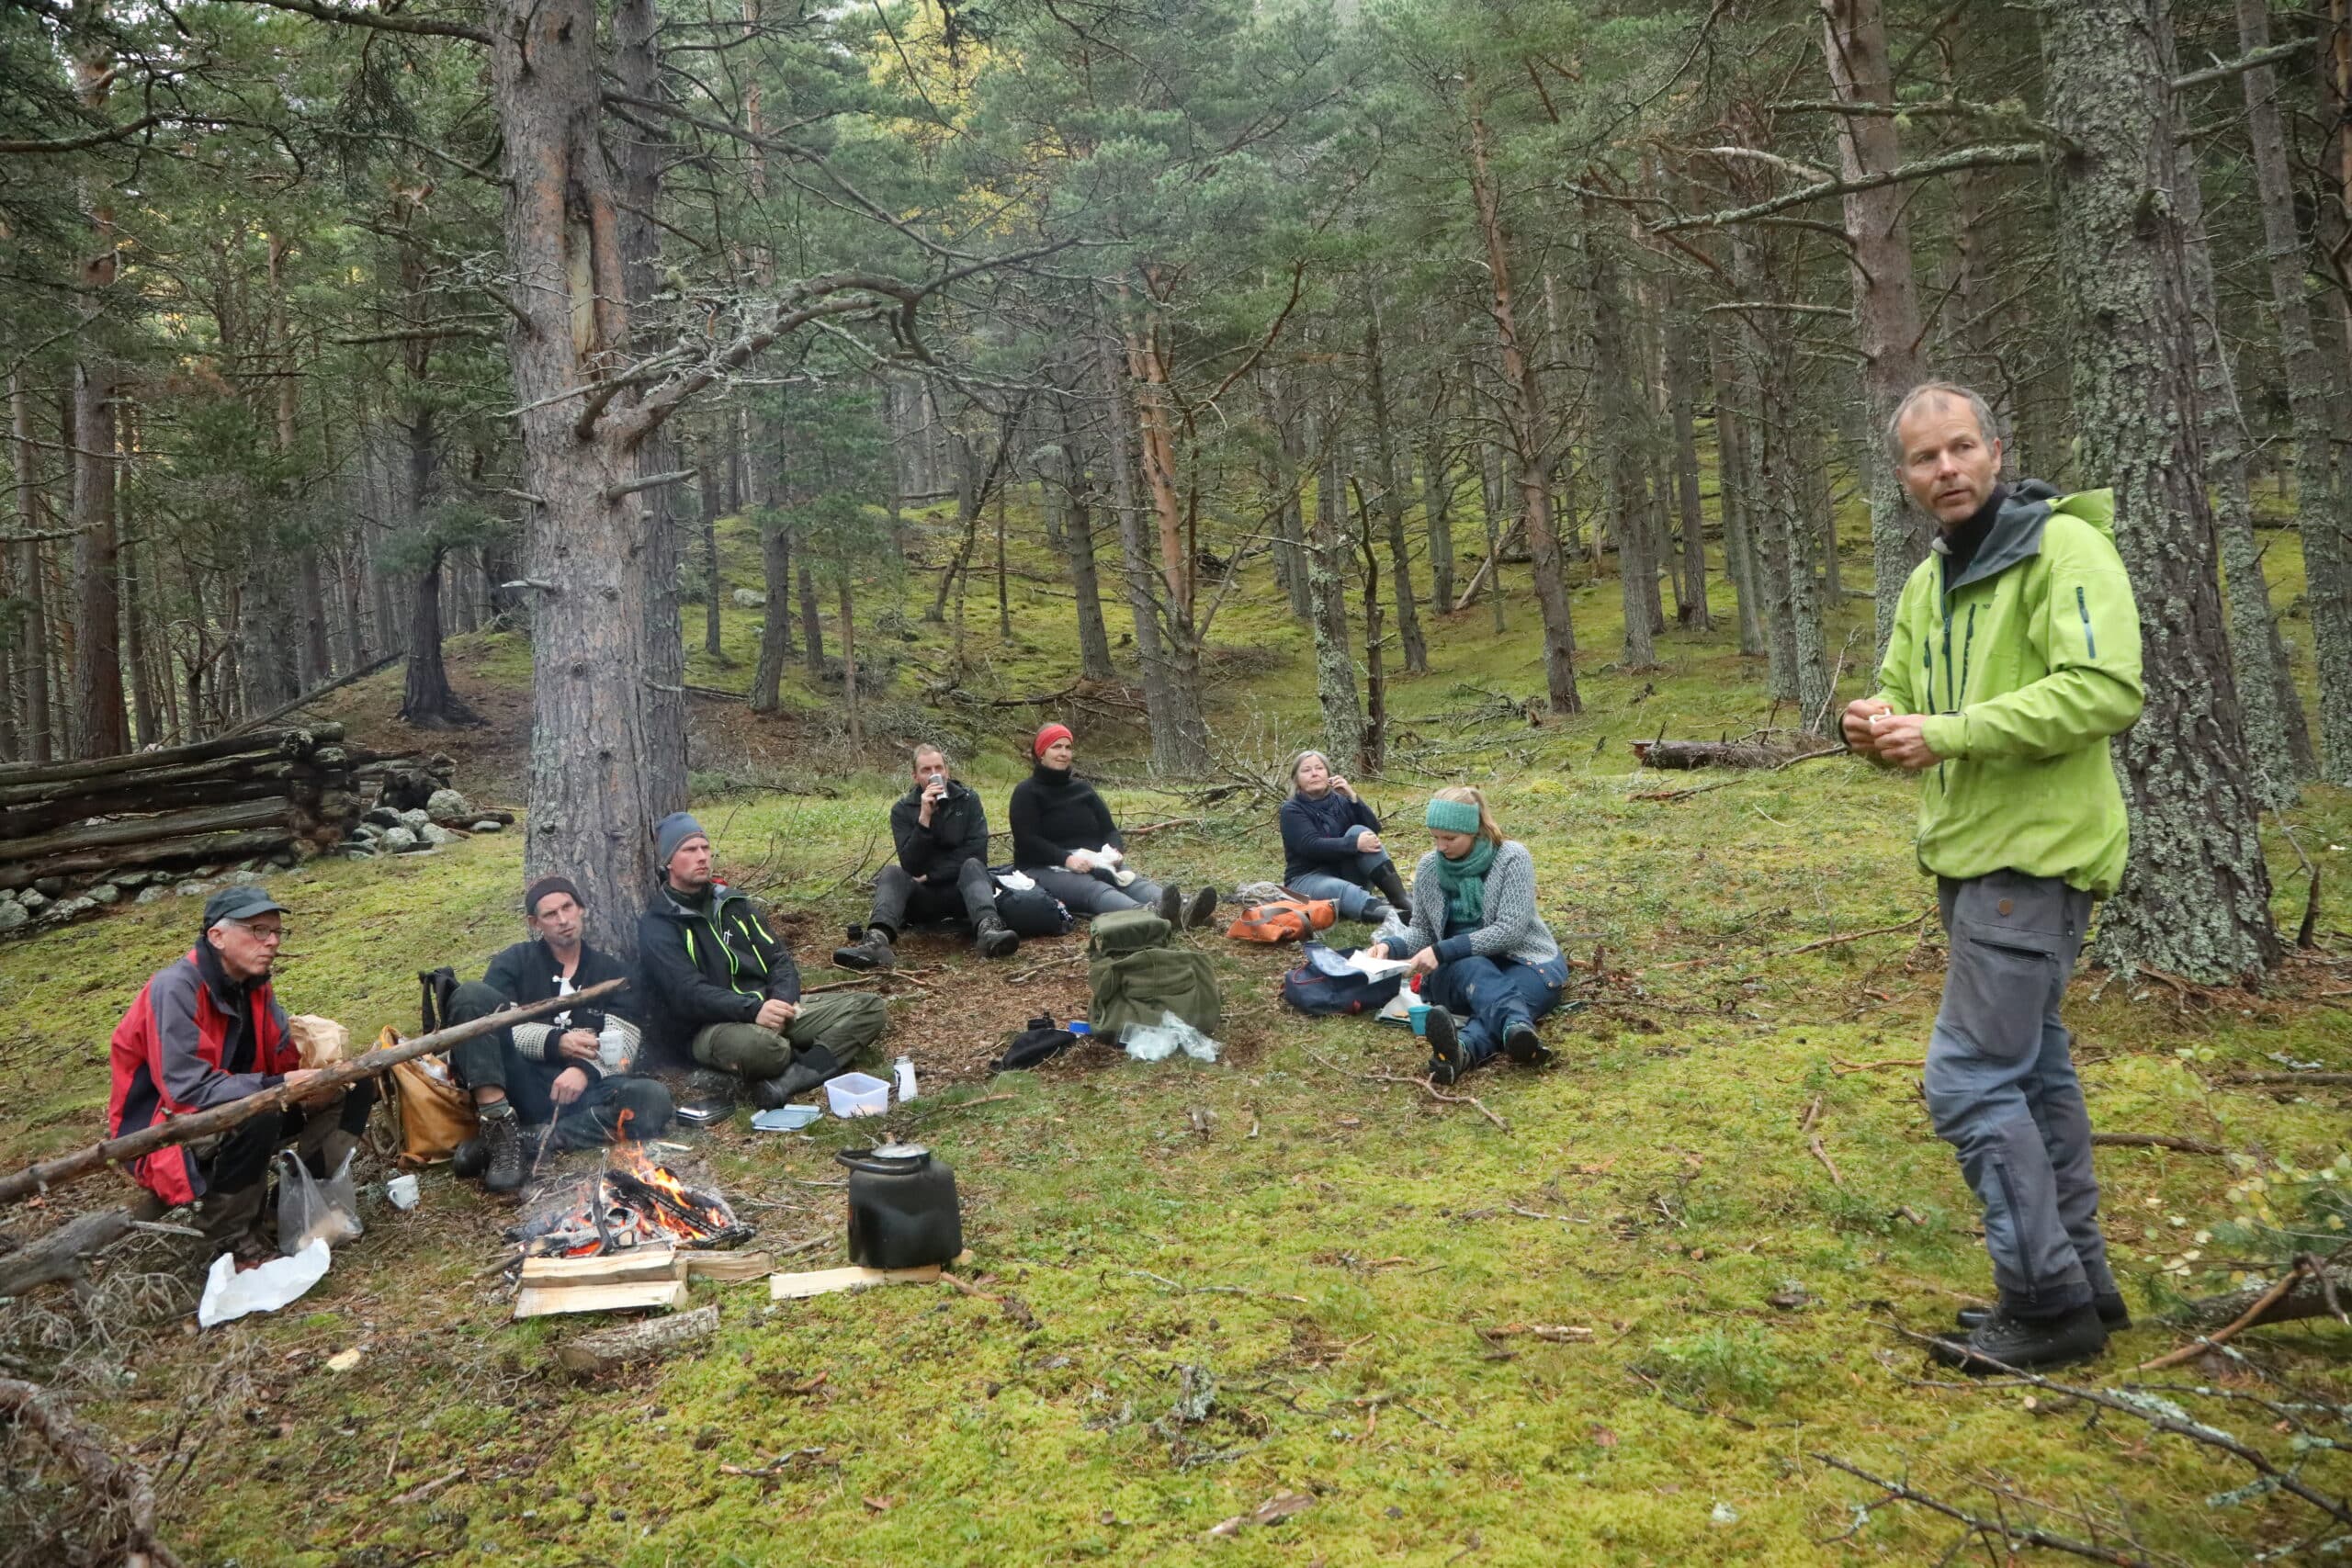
1340	1254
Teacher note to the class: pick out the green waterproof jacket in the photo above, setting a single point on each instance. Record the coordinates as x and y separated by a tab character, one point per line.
2027	663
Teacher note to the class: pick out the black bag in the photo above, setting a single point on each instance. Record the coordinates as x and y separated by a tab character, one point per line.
1032	911
1310	990
437	985
1041	1041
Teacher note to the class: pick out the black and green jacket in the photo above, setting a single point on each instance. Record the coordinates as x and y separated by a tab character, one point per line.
715	963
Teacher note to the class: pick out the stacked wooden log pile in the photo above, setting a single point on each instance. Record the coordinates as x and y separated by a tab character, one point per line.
74	836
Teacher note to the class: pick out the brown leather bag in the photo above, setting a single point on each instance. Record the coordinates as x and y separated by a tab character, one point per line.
1285	919
434	1114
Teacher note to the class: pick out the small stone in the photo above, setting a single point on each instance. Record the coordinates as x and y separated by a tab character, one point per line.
49	886
381	816
154	895
750	599
33	899
247	866
414	821
436	835
128	879
490	825
69	910
243	878
102	893
395	840
286	860
12	915
447	805
193	890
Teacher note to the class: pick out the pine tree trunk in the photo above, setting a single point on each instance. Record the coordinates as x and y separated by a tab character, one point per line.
1621	433
812	627
2265	687
145	711
775	631
1327	574
1093	637
1886	301
1003	598
426	700
1372	749
1681	392
1527	420
1437	515
2323	510
707	487
2194	900
1143	603
40	731
1392	482
1497	507
1735	493
1289	453
850	701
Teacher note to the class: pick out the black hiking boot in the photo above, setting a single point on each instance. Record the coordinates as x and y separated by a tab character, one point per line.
1390	885
806	1071
2110	1305
2027	1344
502	1135
1202	909
1523	1045
468	1160
869	947
1445	1047
1377	913
994	938
1172	905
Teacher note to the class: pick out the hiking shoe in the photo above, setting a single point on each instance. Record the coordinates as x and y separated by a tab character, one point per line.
2027	1344
1172	905
2110	1305
501	1134
1445	1047
1202	909
468	1160
994	938
806	1071
1378	912
869	948
1523	1045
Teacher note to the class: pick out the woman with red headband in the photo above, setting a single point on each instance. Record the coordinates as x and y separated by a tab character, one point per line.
1060	829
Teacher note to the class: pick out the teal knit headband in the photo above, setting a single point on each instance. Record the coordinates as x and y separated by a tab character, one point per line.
1453	816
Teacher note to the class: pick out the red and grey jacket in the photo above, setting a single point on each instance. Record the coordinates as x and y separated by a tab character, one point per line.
169	1053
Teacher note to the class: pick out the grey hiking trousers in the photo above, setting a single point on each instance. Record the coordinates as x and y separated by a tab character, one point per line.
2002	1089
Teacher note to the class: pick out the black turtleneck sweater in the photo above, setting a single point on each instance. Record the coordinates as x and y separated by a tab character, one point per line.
1055	813
1962	543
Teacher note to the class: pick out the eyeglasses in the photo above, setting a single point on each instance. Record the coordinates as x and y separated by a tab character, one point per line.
260	934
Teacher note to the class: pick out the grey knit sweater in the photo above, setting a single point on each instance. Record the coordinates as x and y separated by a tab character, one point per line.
1512	929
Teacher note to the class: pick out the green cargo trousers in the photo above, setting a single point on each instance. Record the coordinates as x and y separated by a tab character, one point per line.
845	1023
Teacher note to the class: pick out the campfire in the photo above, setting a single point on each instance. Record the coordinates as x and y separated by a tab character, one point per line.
631	1203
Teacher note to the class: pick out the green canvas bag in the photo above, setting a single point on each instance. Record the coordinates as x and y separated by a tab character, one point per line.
1136	973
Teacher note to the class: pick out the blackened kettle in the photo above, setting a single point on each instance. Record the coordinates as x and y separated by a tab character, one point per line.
902	1208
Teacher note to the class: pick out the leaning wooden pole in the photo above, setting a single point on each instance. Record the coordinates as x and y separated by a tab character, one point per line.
43	1175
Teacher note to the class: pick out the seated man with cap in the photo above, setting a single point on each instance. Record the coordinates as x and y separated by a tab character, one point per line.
569	1072
720	987
208	1029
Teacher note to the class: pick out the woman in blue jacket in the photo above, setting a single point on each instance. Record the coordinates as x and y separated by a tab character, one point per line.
1331	845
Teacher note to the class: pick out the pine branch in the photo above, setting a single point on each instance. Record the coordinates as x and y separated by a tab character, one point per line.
2012	155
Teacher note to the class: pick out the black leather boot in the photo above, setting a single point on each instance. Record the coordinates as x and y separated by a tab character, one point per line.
871	950
502	1135
1445	1047
2110	1305
2027	1344
994	938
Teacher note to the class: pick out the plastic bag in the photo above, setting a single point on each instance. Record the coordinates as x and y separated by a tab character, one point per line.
229	1294
310	1210
1157	1042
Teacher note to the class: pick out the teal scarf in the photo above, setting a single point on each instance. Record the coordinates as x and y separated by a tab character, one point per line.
1465	884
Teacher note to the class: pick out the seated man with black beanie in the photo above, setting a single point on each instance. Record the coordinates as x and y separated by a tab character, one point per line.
941	830
569	1072
718	983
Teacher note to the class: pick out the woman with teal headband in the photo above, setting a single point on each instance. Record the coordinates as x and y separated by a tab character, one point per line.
1474	933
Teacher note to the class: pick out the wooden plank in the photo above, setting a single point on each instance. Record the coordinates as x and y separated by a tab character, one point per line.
824	1281
612	1268
548	1302
731	1267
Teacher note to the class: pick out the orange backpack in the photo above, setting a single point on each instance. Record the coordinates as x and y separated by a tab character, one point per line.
1285	919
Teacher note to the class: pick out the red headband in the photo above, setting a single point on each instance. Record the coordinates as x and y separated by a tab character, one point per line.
1047	736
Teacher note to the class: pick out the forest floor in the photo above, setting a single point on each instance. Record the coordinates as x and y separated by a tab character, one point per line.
1615	1312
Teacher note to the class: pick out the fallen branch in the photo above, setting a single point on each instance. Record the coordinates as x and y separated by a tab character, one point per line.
60	1254
314	694
2155	1141
942	1109
1827	1163
1841	1068
31	1405
2308	1298
609	1349
43	1175
1687	754
1064	962
2262	1304
1992	1530
1424	1083
1916	920
2324	1080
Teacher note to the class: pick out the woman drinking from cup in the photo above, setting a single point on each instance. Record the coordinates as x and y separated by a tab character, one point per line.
1331	845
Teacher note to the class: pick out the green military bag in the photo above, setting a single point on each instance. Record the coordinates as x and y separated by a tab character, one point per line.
1136	973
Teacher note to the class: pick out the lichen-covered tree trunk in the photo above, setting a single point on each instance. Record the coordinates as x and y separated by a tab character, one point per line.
1327	570
812	625
775	631
1735	493
1161	705
1181	747
2322	510
707	498
1621	436
1093	637
2265	686
39	734
1437	515
1524	399
2196	896
1886	301
1681	394
1287	452
1392	496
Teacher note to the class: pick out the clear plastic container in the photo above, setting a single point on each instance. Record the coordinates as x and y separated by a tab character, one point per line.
903	1071
857	1094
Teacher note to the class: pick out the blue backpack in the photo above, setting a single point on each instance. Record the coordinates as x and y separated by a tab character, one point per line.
1321	985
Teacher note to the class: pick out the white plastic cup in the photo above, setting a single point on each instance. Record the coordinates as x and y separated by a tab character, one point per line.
401	1190
609	1046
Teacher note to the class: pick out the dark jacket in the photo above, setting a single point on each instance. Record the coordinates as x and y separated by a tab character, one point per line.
958	832
1054	815
194	1038
527	972
714	965
1319	835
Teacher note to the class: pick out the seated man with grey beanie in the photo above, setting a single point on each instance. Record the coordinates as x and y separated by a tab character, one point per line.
568	1074
720	986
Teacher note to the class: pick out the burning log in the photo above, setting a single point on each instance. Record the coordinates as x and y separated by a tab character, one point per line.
43	1175
629	1204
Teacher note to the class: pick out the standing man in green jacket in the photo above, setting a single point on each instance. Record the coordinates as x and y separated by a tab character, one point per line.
2014	654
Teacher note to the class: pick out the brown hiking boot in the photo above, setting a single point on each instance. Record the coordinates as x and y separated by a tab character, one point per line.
871	950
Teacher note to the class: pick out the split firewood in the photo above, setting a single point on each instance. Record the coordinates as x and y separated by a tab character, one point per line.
824	1281
608	1349
636	1265
550	1301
